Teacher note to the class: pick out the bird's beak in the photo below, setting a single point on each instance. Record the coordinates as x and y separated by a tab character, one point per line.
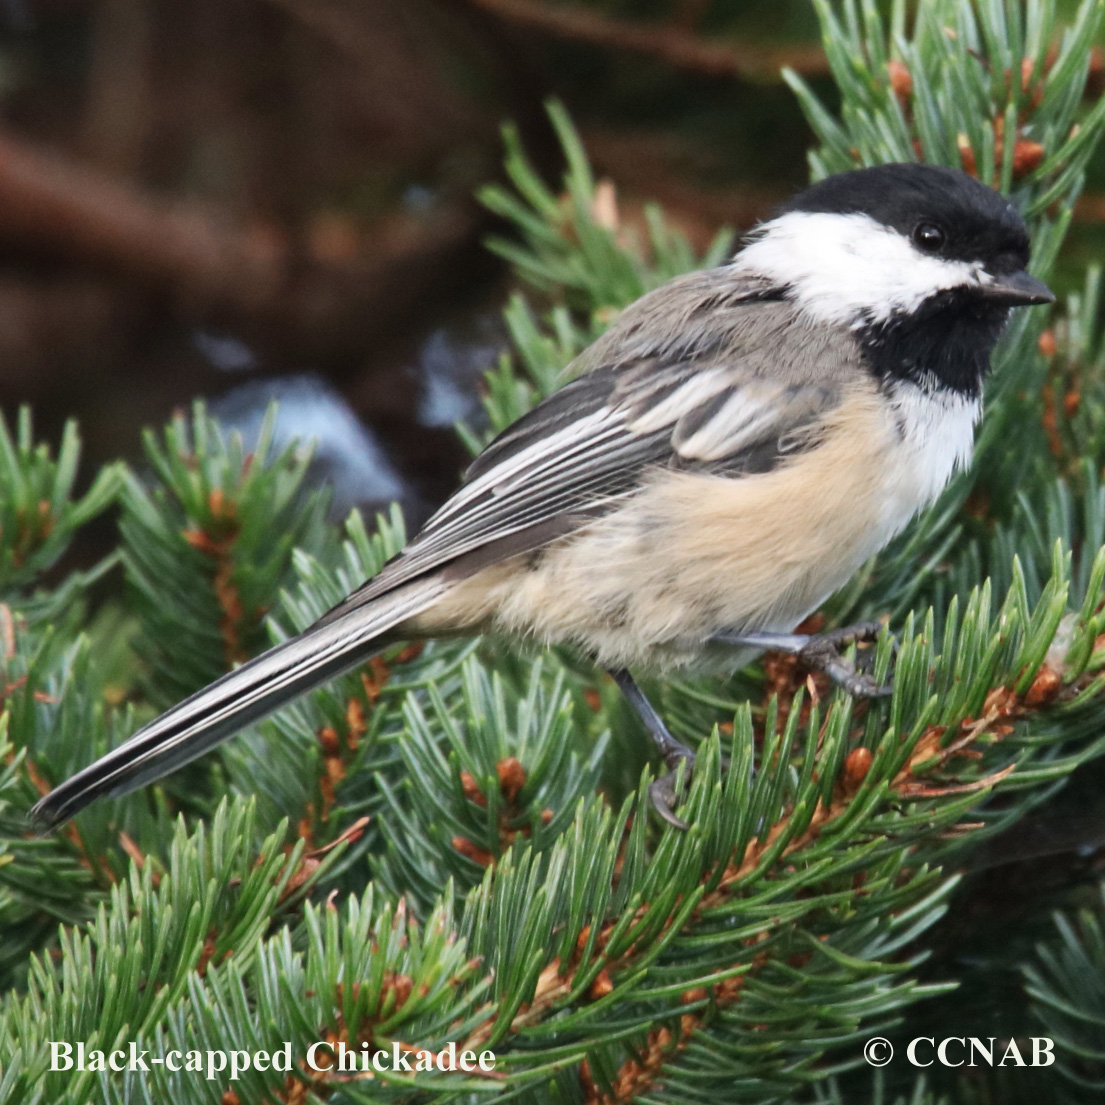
1016	289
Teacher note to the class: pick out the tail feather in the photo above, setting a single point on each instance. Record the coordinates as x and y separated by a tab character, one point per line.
242	696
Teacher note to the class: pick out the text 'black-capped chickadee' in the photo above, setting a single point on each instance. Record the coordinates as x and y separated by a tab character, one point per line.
725	457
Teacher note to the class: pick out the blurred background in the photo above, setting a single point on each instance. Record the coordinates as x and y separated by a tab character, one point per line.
248	199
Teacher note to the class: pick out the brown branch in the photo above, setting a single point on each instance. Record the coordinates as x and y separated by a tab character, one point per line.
671	44
302	294
76	211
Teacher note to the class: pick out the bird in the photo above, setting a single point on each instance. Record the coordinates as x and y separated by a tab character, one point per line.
723	458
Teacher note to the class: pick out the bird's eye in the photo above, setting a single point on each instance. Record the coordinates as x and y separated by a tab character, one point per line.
928	237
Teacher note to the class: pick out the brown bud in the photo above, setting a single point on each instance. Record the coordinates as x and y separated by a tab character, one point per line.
199	540
410	652
901	80
512	777
354	719
1045	687
966	154
604	206
856	766
472	789
302	873
1047	344
585	1079
602	985
478	855
1001	702
1035	92
1026	157
813	624
1095	78
400	986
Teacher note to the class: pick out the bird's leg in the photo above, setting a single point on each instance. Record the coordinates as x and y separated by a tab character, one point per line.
820	652
662	790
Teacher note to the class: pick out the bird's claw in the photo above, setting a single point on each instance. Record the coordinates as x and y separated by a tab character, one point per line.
849	634
822	654
664	791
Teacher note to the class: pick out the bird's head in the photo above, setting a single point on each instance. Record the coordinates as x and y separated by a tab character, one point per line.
922	262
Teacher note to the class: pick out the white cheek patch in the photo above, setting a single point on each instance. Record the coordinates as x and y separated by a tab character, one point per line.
850	269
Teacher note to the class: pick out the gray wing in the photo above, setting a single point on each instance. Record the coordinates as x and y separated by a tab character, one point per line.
742	383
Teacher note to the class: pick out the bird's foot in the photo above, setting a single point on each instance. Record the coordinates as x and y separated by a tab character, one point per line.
821	652
664	792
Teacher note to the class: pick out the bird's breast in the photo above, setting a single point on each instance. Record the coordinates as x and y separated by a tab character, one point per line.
692	554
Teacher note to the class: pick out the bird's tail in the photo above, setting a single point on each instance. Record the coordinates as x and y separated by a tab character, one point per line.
189	729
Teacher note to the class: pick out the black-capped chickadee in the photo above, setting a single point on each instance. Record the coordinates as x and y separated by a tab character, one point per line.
725	457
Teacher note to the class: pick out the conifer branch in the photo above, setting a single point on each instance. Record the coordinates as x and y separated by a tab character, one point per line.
469	819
